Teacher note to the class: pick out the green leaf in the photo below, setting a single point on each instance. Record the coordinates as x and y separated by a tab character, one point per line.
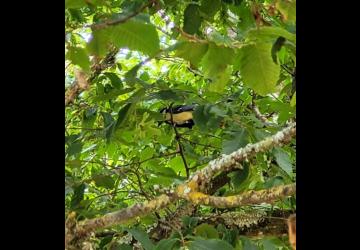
207	117
165	95
136	35
100	42
210	244
177	165
215	66
114	93
89	117
104	181
238	178
246	18
122	115
192	19
238	140
248	244
270	33
273	182
147	153
220	39
78	195
210	8
288	9
142	237
220	81
283	159
109	125
189	222
75	4
216	60
206	231
74	148
257	68
108	119
78	56
276	48
192	52
115	80
166	244
145	76
293	100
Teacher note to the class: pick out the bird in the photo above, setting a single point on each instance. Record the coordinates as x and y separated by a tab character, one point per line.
179	116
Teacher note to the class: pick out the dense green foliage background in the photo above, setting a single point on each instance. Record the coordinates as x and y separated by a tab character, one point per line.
228	57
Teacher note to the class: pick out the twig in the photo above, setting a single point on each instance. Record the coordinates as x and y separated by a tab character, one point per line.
121	19
200	144
177	137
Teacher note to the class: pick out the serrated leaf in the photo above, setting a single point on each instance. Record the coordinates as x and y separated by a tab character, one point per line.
257	68
283	160
215	66
293	100
104	181
288	9
78	56
220	81
206	231
99	43
210	8
192	19
166	244
142	237
270	33
210	244
136	35
216	60
192	52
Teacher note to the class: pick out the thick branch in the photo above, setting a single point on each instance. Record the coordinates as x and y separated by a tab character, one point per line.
125	214
246	198
190	188
200	179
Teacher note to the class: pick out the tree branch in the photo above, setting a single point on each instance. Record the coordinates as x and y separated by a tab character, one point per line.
121	19
190	189
248	198
177	137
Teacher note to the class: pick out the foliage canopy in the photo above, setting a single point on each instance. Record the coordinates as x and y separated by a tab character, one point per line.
125	60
